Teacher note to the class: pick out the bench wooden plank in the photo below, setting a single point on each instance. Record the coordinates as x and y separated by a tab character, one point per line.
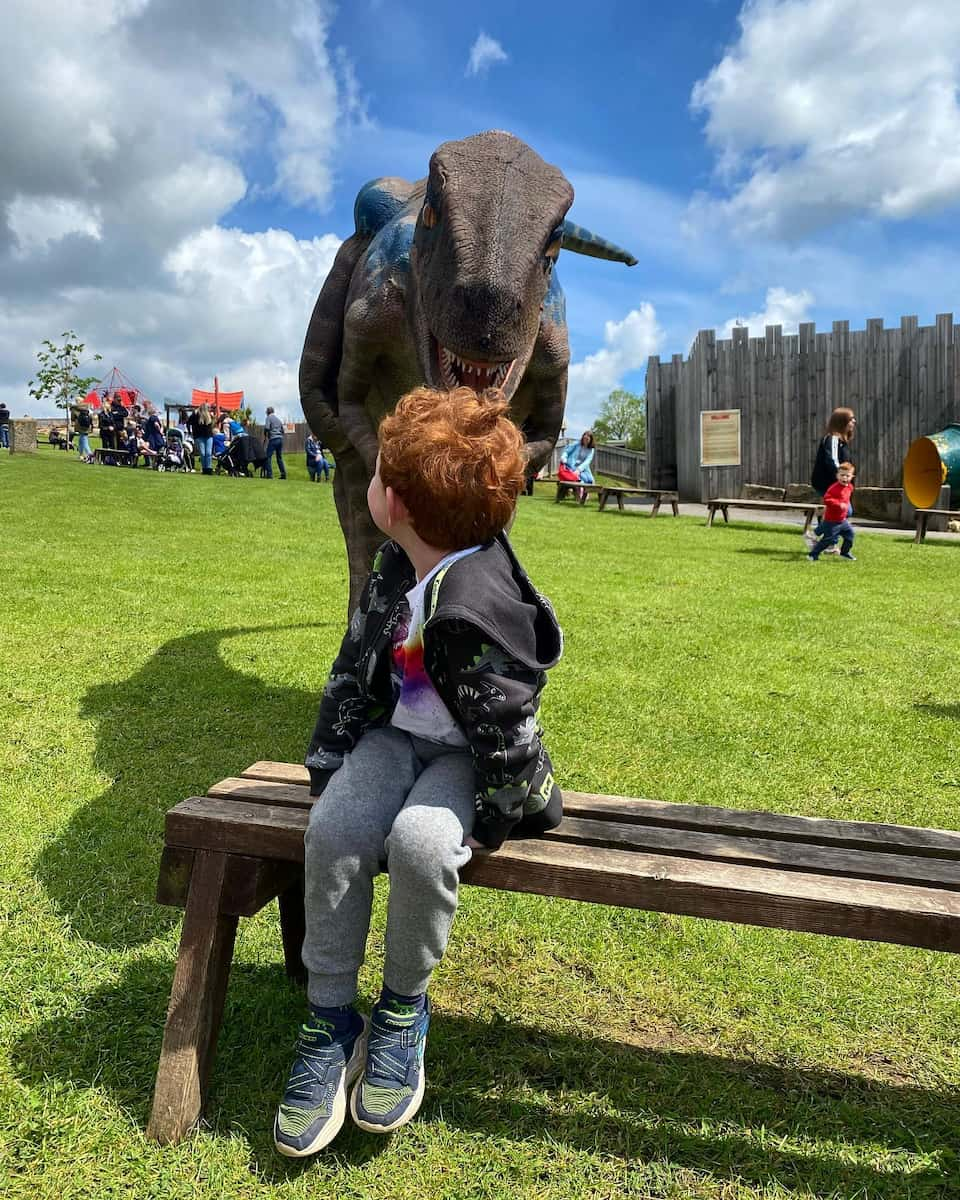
851	835
792	855
878	911
249	885
883	912
796	505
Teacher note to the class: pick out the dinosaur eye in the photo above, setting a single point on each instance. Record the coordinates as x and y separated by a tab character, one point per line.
552	251
428	215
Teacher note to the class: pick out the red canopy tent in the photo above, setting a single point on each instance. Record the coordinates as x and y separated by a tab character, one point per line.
227	401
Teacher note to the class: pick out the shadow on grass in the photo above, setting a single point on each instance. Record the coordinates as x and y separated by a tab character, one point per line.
179	723
782	555
501	1081
949	712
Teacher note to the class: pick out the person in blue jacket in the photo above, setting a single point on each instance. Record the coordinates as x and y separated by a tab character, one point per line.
578	456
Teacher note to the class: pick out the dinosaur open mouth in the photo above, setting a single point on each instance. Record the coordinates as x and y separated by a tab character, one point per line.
456	371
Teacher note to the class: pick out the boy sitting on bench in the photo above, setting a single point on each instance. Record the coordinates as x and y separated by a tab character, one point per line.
427	749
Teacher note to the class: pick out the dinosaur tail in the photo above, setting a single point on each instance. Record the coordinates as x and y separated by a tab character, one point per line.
582	241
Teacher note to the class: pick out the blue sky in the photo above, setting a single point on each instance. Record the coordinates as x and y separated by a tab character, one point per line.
175	178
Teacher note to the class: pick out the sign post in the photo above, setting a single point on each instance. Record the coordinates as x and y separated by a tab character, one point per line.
720	437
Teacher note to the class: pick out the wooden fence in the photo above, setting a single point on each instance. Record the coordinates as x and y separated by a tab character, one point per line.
901	382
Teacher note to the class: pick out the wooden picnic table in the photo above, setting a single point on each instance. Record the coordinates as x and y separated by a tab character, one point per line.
808	508
101	453
660	496
923	515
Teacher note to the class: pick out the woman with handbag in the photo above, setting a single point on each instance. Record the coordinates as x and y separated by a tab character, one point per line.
577	459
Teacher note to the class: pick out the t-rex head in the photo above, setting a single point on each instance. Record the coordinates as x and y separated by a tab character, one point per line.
487	237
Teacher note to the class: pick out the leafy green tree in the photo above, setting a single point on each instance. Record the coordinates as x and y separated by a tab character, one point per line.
623	418
56	378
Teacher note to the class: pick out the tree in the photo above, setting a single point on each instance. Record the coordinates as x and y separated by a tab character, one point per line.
623	418
57	378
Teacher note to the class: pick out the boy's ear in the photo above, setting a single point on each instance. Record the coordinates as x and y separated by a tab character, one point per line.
397	511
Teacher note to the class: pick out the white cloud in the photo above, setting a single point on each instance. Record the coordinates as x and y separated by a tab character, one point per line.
782	308
627	345
827	109
36	221
484	52
122	150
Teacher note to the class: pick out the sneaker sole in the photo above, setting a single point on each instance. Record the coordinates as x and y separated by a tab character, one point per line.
353	1070
411	1111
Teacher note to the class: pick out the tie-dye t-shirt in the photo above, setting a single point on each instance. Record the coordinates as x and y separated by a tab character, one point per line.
419	709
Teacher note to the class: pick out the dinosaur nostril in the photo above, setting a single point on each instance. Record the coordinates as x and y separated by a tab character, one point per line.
485	342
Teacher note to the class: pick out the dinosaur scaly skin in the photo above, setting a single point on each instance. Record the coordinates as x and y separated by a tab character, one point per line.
446	281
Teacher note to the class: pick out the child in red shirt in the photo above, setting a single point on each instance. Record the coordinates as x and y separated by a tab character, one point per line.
836	505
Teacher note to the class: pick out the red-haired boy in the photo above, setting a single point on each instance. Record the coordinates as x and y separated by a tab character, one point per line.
427	749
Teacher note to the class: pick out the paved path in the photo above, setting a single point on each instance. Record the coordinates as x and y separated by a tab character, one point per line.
763	517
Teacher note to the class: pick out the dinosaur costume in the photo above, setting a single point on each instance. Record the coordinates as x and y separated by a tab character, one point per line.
446	281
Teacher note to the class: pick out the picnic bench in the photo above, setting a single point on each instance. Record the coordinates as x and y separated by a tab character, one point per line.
102	453
808	508
923	515
659	497
584	488
231	852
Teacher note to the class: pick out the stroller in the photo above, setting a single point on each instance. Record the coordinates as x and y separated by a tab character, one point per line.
177	453
242	454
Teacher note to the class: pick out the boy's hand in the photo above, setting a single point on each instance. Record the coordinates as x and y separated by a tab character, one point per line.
475	846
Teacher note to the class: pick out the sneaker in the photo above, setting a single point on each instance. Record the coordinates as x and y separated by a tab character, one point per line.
832	550
849	557
390	1091
810	558
314	1105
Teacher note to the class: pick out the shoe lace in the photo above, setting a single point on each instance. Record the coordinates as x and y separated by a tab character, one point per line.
317	1054
388	1053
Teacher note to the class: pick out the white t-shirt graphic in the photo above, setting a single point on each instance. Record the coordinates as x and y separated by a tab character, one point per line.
419	709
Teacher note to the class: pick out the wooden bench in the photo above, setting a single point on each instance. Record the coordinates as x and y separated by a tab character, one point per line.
809	509
229	853
123	457
586	488
923	516
659	497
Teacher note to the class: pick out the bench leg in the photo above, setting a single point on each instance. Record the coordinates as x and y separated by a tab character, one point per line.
561	492
711	513
602	496
921	530
656	507
293	929
726	515
620	503
676	508
808	517
196	1003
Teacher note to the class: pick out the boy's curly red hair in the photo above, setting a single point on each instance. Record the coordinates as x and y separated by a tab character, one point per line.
456	461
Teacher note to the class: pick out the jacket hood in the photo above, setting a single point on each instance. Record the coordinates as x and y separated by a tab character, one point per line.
491	590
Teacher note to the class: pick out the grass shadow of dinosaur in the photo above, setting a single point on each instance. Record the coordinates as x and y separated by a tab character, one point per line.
182	720
498	1080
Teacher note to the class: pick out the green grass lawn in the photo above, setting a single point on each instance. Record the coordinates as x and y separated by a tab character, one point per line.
160	632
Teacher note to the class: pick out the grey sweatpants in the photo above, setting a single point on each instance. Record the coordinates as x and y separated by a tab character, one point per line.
409	803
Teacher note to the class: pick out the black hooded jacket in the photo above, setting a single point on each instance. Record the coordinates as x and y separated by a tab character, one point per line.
488	639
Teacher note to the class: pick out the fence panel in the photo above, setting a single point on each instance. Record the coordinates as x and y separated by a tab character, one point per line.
901	382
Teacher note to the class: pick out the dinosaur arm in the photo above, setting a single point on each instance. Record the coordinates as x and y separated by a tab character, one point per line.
323	347
353	388
541	427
